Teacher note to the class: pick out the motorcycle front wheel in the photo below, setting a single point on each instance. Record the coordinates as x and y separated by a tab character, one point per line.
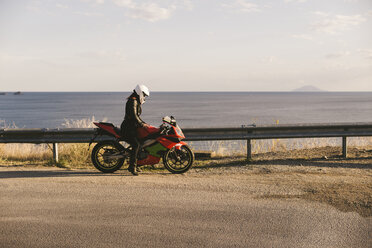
107	156
178	161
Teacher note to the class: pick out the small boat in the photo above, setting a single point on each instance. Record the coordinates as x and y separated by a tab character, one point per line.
18	93
2	93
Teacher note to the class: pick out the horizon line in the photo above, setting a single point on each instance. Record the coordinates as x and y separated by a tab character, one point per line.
217	91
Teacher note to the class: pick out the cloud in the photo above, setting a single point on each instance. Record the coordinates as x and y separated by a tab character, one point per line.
185	4
295	1
308	37
269	59
151	12
242	6
94	1
116	54
89	14
366	53
61	6
16	58
334	24
303	36
337	55
148	11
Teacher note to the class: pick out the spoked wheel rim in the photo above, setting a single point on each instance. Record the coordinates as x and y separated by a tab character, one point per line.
179	159
103	156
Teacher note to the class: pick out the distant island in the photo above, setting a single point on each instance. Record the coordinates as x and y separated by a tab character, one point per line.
308	88
15	93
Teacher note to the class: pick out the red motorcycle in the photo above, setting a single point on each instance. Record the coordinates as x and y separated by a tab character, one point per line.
156	143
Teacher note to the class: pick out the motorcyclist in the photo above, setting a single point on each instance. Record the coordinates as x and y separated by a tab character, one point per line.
132	121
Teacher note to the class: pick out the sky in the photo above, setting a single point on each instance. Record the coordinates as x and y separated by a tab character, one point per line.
185	45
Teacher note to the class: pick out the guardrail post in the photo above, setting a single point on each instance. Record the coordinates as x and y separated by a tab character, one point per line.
344	147
249	150
55	152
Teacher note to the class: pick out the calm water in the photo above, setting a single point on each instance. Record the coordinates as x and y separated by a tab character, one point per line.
49	110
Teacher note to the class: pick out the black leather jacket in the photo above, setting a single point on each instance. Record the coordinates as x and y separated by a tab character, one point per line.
132	118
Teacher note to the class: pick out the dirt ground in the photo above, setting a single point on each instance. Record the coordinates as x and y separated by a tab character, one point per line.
318	174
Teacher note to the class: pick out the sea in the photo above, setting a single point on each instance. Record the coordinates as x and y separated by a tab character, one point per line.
191	109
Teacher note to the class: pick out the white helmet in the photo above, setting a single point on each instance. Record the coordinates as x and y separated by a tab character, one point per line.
143	92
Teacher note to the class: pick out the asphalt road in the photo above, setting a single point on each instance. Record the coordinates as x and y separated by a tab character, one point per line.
42	207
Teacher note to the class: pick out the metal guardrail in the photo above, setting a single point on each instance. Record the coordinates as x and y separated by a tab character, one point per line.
71	135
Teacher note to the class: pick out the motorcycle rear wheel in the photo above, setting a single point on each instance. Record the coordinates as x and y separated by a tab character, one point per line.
101	156
178	161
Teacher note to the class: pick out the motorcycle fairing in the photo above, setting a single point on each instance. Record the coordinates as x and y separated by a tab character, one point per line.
150	160
166	142
156	150
108	127
180	144
144	132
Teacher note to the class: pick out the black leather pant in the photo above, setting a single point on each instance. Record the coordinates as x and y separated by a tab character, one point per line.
136	145
130	136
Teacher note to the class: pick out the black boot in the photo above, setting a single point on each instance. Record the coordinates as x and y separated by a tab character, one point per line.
133	165
133	158
133	169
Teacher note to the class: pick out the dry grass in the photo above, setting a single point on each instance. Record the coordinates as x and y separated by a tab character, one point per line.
239	147
77	155
70	155
22	152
